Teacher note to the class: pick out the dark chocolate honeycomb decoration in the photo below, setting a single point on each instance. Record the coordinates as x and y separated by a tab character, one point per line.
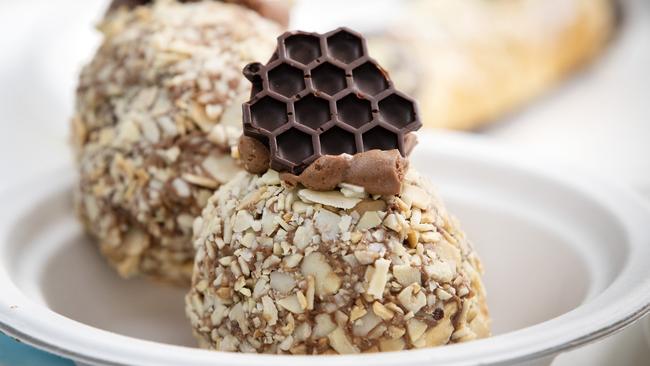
321	94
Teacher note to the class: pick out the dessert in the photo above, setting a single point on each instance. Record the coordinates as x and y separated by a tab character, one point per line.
158	109
330	243
453	54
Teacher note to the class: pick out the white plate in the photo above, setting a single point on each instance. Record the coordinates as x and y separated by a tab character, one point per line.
565	259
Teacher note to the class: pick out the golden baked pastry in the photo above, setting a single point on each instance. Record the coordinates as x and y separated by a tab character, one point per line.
470	62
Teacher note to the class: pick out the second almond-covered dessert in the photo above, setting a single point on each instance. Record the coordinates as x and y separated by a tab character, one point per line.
157	112
330	243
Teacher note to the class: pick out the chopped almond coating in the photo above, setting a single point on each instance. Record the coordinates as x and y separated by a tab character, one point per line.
331	277
158	111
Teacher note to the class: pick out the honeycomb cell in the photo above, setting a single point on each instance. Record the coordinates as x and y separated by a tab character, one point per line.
294	146
354	111
286	80
379	138
345	46
337	141
268	114
396	110
328	79
303	48
312	111
370	79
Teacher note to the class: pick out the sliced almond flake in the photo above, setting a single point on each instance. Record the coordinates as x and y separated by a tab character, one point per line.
291	304
367	323
406	275
302	300
282	282
302	332
248	239
245	291
447	252
243	220
352	187
271	261
171	154
430	237
202	285
415	329
260	288
340	343
269	312
327	282
311	291
286	343
220	312
222	168
135	242
329	198
463	291
381	311
213	111
292	260
127	132
365	256
300	207
226	260
395	332
327	224
181	187
391	222
324	326
440	271
150	130
303	235
422	227
200	181
392	345
412	299
270	178
269	224
440	333
344	224
415	196
167	126
442	294
352	193
379	278
356	312
369	220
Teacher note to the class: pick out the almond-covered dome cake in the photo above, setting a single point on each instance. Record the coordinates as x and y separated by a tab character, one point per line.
157	112
330	243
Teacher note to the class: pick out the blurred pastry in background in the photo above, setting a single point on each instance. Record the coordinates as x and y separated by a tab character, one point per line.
472	62
157	111
277	10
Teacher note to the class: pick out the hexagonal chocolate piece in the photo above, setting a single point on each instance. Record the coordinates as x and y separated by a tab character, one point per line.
321	94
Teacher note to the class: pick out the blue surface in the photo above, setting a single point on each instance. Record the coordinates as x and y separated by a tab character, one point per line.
14	353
